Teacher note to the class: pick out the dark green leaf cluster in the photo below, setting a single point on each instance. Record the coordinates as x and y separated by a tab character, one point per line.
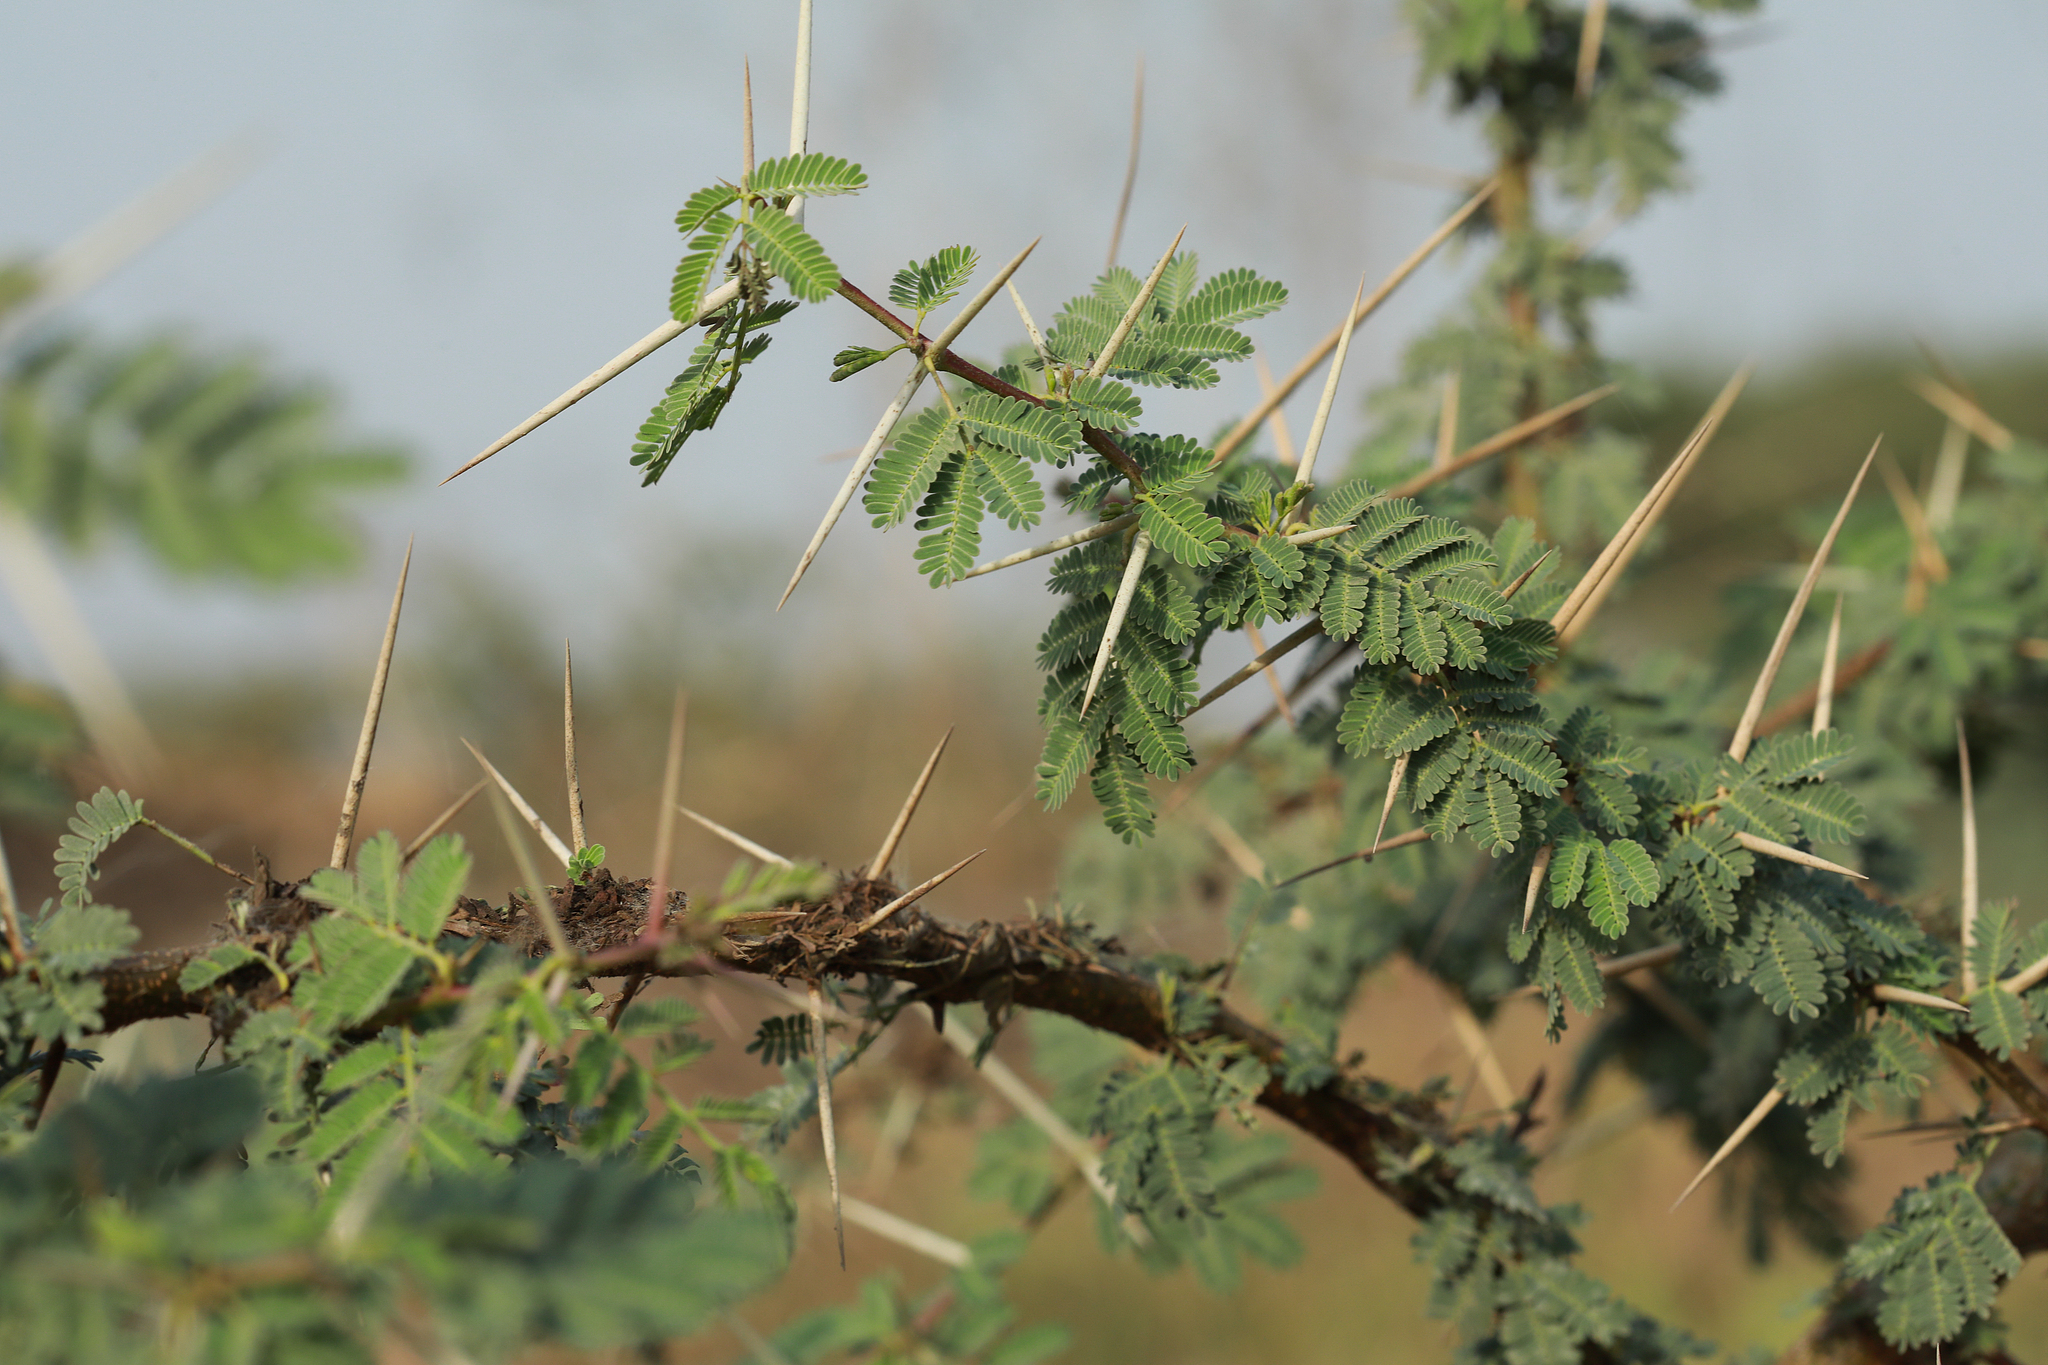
1938	1260
1501	1264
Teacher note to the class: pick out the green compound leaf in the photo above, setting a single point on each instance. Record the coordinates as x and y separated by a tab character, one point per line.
218	961
1938	1260
1231	297
1423	643
1179	526
1158	740
1527	763
1827	813
1442	760
2000	1020
1411	722
1800	757
700	260
904	473
699	207
1277	561
793	254
1498	821
1788	972
1070	748
1576	849
1007	483
98	823
952	513
1343	606
1104	403
1119	787
1380	637
808	174
1044	434
1473	598
77	939
923	286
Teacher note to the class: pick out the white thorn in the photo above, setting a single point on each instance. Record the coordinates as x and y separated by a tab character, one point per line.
1130	317
359	770
738	841
1771	848
1305	471
1770	1101
922	889
1134	568
526	811
1745	730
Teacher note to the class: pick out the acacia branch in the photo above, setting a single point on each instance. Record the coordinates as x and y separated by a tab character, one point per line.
1392	1138
1098	439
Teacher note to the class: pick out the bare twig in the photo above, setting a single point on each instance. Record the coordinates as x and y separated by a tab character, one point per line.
1243	430
1447	421
1263	659
1413	836
1537	869
93	255
1030	328
1123	201
1394	776
1745	729
1963	410
10	913
359	770
861	463
1283	439
746	122
879	864
36	584
1945	489
1499	442
1258	644
904	1233
1900	995
1770	1101
1053	547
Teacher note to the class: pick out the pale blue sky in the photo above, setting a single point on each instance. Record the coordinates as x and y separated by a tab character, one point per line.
467	206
